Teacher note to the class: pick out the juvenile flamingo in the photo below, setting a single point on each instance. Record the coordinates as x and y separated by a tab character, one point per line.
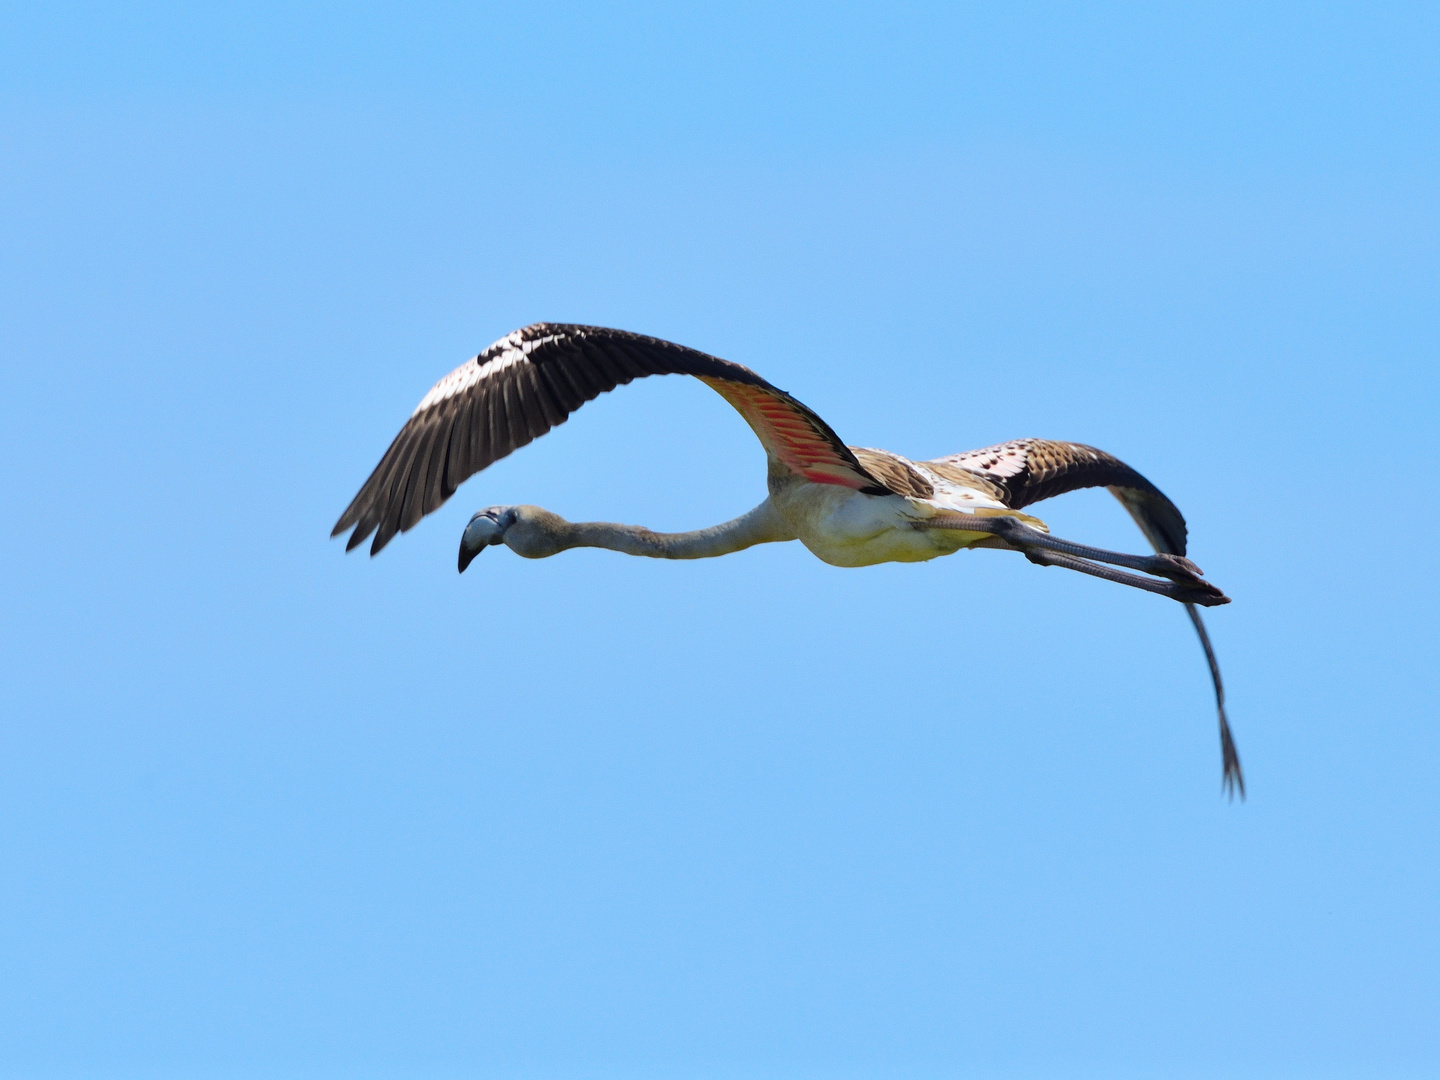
850	505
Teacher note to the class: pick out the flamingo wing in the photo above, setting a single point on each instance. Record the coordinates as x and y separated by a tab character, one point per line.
533	379
1028	470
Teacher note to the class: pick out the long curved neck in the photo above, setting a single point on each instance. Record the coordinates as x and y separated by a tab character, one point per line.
543	533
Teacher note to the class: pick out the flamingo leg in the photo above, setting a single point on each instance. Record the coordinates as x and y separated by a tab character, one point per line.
1019	535
1200	592
1184	577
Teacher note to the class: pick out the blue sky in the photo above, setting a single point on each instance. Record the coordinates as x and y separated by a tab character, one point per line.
268	810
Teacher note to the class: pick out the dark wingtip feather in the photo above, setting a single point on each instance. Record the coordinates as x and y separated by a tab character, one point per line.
355	510
1233	777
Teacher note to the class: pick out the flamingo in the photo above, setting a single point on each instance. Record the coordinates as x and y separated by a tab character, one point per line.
850	505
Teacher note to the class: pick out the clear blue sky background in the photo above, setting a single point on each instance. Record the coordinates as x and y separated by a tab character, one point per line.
269	810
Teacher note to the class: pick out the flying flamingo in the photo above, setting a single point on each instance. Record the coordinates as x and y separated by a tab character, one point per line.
851	506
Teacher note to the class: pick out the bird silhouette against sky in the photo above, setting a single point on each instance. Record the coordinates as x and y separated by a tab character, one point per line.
850	505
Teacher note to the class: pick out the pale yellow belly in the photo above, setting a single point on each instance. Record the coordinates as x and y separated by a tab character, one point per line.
845	528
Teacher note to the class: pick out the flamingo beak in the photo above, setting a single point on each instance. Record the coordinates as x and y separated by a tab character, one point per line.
485	528
467	554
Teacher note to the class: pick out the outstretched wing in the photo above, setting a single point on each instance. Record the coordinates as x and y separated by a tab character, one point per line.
1028	470
533	379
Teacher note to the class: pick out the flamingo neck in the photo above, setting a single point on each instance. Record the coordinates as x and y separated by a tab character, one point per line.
539	533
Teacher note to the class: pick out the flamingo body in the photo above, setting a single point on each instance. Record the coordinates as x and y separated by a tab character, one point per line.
845	527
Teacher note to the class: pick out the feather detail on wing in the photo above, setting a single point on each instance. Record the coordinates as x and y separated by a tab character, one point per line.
1028	470
795	436
898	474
530	381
